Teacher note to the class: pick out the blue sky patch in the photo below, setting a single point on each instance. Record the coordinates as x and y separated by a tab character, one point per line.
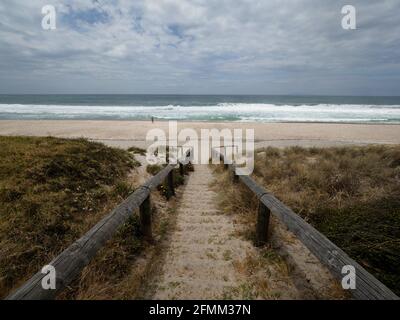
76	19
177	30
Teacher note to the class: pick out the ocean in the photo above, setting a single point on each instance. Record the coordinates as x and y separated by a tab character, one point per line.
244	108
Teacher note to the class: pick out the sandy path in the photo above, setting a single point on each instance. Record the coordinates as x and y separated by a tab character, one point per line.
205	257
199	260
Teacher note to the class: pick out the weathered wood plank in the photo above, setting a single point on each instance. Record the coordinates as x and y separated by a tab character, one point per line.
155	181
253	186
72	260
367	286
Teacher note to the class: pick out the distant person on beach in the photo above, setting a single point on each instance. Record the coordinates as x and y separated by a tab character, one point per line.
152	119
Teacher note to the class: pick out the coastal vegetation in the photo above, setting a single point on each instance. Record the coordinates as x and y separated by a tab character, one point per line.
350	194
51	192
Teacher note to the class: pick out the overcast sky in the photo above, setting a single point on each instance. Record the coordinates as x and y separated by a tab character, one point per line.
200	47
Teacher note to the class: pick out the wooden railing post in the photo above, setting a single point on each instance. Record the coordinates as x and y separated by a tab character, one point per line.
170	182
222	158
262	224
167	156
235	177
225	161
145	218
72	260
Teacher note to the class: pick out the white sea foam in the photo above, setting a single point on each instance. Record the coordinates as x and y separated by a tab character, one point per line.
224	111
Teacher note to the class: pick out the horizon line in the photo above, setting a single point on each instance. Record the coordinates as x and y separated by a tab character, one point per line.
194	94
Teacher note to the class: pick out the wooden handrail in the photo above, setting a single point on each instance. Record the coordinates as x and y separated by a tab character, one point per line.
72	260
330	255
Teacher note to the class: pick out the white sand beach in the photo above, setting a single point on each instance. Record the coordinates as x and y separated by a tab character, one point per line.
133	133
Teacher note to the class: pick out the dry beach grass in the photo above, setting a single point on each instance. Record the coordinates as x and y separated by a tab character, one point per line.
51	192
350	194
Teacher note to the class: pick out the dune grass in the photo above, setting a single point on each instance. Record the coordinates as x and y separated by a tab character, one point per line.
51	192
350	194
137	150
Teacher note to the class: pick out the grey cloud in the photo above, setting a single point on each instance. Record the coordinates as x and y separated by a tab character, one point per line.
200	46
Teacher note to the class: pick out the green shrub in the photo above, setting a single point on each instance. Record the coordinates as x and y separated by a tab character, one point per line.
137	150
153	169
